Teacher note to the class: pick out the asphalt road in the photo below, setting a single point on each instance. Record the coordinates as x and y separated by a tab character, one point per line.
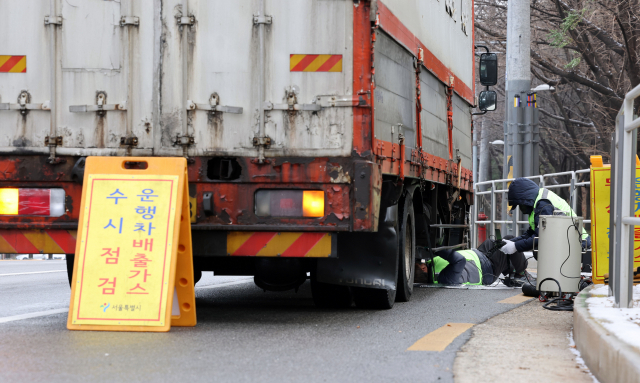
243	335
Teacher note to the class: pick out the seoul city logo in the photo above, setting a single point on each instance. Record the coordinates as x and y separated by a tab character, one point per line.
105	306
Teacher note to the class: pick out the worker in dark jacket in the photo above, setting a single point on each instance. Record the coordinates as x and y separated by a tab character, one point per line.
535	201
481	266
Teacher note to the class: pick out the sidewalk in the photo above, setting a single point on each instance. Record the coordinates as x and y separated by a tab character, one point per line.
608	338
526	344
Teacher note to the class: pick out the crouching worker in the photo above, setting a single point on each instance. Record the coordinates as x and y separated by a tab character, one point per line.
480	266
470	267
535	202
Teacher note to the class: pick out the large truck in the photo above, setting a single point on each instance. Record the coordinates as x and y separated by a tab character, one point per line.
327	140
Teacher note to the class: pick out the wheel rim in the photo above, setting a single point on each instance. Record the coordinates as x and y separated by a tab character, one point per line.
408	245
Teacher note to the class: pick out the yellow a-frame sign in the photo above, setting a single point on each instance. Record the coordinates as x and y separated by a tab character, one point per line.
133	266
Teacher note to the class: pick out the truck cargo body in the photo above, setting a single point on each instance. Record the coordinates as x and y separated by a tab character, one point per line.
358	99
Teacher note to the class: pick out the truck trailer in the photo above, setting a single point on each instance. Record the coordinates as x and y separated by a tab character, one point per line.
327	140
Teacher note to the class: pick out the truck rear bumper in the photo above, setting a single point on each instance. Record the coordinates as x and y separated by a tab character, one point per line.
264	244
38	241
205	243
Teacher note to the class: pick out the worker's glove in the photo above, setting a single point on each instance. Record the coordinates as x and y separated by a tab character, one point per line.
509	248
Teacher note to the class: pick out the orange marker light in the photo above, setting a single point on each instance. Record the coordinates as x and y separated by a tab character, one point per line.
9	201
313	203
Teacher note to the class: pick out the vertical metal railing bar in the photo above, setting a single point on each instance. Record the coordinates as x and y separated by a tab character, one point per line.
474	216
493	208
624	208
630	229
618	212
623	204
625	294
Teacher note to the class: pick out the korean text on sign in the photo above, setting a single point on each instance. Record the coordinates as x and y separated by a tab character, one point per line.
127	237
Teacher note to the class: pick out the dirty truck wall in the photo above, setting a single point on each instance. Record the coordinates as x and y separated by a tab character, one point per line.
146	65
341	80
145	68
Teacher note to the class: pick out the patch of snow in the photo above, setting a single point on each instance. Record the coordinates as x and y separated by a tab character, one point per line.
600	290
623	323
574	350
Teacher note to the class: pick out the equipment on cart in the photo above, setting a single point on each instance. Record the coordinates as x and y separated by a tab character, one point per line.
559	253
559	261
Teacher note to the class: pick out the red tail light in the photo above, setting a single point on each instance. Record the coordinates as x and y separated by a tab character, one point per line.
290	203
23	201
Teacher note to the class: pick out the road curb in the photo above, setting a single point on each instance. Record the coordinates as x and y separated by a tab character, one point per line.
608	358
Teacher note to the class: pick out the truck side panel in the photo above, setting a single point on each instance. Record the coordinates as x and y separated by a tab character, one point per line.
462	130
395	92
445	124
445	32
434	115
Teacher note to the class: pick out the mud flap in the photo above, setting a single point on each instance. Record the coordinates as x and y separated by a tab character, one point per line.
365	259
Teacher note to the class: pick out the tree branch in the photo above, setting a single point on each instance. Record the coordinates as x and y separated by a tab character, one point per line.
559	118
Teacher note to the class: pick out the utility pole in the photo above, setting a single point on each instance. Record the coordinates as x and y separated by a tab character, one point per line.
518	85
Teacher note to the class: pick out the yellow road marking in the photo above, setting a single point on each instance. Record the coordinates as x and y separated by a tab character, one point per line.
514	300
439	339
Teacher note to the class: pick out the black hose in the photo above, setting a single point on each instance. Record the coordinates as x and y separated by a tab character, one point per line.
561	303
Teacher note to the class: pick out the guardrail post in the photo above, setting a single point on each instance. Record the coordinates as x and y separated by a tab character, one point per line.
474	227
630	229
623	206
625	294
493	210
618	210
516	215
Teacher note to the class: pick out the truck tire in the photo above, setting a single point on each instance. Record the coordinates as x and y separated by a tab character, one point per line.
326	295
70	258
406	251
377	299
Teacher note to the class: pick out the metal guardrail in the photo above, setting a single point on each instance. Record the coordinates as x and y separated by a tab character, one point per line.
493	191
623	200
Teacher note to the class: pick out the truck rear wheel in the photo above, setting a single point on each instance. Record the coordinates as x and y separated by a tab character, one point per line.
407	251
377	299
326	295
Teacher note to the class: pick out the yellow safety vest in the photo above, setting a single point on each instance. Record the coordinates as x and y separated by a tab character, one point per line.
558	204
472	266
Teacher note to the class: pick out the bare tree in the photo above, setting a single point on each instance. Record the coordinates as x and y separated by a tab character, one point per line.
589	51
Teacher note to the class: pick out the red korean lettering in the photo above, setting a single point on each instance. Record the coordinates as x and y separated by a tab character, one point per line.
112	256
146	243
137	287
140	260
137	272
108	290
